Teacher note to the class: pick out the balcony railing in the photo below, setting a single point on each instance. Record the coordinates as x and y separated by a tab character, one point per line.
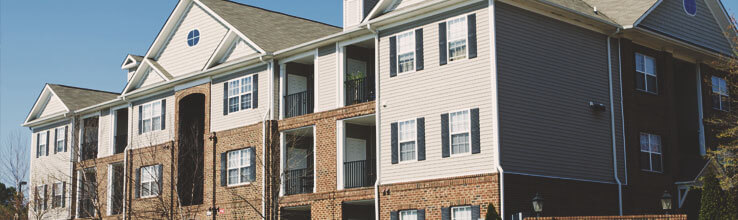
298	104
359	90
358	173
121	141
299	181
89	150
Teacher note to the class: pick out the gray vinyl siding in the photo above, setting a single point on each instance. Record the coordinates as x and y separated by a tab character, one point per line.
548	72
220	122
326	78
436	90
53	106
669	18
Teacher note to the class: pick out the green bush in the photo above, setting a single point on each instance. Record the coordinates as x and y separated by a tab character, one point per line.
492	213
716	203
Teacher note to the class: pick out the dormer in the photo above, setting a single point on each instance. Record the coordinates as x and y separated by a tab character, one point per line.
131	64
354	11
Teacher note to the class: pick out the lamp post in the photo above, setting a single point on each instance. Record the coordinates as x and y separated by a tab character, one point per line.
666	201
538	204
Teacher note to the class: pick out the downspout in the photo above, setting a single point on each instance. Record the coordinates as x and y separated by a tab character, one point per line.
263	139
612	124
378	113
493	95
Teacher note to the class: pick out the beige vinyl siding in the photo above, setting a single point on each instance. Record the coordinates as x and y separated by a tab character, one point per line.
151	77
326	78
177	57
53	106
104	136
51	169
240	49
152	137
436	90
219	122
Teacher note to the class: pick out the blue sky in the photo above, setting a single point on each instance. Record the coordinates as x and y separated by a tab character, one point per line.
83	42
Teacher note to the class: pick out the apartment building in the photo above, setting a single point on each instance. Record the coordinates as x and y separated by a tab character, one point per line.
413	110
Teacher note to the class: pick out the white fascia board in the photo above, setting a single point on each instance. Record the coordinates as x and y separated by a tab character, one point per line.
169	26
637	22
230	27
222	50
41	101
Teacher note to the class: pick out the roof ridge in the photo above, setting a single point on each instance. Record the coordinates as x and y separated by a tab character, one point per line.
594	8
88	89
282	13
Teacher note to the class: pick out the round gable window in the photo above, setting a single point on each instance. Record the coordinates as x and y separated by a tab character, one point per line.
193	37
690	6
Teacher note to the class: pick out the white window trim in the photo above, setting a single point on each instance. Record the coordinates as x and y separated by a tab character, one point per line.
414	140
684	7
150	118
397	55
59	133
153	182
240	93
193	38
413	211
453	210
720	93
451	134
650	161
42	141
248	165
646	74
448	38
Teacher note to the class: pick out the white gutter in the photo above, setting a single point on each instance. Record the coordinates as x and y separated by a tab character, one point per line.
263	138
612	124
494	97
378	125
622	112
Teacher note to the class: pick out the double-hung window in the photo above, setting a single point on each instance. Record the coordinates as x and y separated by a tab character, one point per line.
408	215
651	154
56	201
406	137
459	131
720	94
59	139
406	52
239	93
149	181
646	73
151	116
461	213
457	38
40	197
239	162
42	140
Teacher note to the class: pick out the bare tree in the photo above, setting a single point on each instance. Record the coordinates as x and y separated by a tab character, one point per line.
15	168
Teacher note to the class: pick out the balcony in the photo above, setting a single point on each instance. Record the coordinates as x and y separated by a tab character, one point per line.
89	150
358	156
297	148
88	146
299	181
358	173
358	72
121	141
359	90
297	104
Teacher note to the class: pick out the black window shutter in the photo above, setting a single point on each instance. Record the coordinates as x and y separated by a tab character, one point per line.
138	183
140	119
46	189
442	43
65	137
225	98
394	215
38	144
53	193
445	143
163	114
471	21
445	213
420	132
393	130
393	56
160	168
255	93
252	177
421	214
223	168
419	49
475	212
475	140
47	142
64	194
56	134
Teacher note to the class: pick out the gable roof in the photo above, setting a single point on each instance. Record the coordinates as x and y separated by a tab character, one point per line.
269	30
623	12
76	98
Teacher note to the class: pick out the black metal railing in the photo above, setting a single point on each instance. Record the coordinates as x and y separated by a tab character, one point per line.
358	173
299	181
298	104
359	90
121	141
89	150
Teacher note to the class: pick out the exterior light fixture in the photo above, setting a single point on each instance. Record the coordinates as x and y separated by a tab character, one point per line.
666	201
538	204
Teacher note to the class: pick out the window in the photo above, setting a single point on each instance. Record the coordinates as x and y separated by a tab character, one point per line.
59	139
40	197
409	215
720	94
58	190
646	73
457	34
151	117
193	37
690	7
42	140
149	181
651	156
461	213
239	94
459	131
406	136
406	52
239	162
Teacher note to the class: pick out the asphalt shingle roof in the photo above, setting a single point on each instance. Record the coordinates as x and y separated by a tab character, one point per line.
270	30
623	12
76	98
